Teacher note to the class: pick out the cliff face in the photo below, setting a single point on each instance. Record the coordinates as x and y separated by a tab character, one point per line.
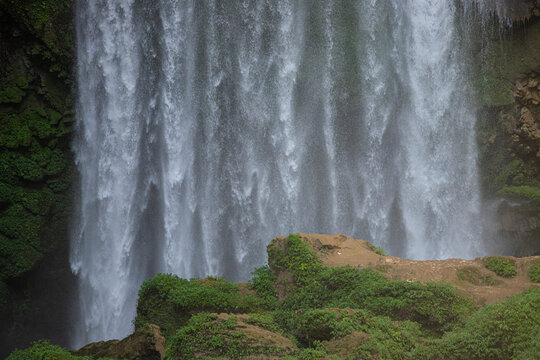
509	132
36	167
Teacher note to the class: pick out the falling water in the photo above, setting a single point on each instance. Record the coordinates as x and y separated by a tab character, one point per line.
206	128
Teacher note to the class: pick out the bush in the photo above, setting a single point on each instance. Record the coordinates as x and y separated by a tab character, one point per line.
377	250
44	350
506	330
534	273
501	266
210	336
169	301
263	283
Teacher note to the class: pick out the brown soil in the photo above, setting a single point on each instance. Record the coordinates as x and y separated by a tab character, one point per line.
341	250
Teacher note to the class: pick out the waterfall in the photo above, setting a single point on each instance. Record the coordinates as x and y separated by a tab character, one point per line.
206	128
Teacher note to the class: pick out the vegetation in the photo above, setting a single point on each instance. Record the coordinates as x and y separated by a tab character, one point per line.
36	164
333	313
377	250
473	275
534	273
44	350
501	266
170	301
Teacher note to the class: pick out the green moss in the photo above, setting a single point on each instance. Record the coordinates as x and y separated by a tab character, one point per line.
534	273
37	201
37	121
26	168
11	95
501	266
473	275
14	132
6	193
169	301
44	350
57	162
527	192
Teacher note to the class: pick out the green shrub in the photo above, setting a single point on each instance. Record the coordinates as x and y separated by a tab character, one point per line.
298	259
534	273
44	350
169	301
377	250
501	266
389	340
506	330
437	306
473	275
263	283
209	336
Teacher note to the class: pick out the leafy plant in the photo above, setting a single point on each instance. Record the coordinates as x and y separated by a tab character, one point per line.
169	301
377	250
501	266
534	273
44	350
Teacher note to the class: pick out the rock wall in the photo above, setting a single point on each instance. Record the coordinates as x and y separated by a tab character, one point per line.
36	169
509	133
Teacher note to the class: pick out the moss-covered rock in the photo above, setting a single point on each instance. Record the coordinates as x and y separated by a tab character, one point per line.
36	165
169	301
211	336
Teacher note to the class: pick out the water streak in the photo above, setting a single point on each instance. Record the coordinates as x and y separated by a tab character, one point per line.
206	128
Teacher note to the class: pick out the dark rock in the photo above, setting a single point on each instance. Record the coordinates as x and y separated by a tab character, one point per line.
144	344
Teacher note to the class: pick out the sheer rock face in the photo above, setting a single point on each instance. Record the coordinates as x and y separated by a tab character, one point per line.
526	137
145	344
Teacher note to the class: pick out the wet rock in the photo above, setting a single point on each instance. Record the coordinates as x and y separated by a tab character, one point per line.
145	344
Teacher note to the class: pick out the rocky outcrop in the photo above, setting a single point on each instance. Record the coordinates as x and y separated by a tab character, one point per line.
145	344
508	132
471	277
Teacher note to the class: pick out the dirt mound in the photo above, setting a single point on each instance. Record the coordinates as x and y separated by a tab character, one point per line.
471	277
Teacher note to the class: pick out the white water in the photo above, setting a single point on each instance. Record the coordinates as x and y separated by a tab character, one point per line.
206	128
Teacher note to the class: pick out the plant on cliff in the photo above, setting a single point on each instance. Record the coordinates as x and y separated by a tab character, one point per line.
263	283
501	266
534	273
506	330
44	350
210	336
169	301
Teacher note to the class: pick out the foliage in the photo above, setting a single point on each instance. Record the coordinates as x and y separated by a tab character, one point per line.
44	350
377	250
501	266
534	273
506	330
528	192
169	301
473	275
298	259
435	305
207	336
263	283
